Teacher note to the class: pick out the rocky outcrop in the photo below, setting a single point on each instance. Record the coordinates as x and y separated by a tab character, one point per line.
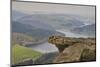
74	49
88	55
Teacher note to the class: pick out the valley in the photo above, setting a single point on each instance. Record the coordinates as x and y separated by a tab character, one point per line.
44	38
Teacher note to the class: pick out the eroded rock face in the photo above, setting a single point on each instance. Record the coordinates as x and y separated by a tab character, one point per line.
74	49
61	42
70	54
88	55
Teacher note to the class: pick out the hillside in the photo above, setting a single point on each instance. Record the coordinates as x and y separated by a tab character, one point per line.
36	22
16	15
88	30
25	34
32	31
49	21
20	53
22	39
57	21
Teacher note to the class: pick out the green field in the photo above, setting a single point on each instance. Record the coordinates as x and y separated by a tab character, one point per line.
20	53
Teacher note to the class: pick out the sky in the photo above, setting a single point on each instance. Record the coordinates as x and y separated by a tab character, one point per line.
32	7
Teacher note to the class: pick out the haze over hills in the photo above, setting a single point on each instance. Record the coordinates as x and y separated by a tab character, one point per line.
36	33
30	20
88	30
36	22
16	15
52	22
57	21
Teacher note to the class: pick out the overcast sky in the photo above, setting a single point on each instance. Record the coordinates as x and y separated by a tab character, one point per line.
30	8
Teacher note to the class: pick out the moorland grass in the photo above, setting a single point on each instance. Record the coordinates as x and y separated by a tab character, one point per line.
20	53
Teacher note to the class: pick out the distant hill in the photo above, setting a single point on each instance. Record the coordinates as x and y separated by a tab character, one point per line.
21	38
57	21
48	21
73	23
20	17
35	22
16	15
88	30
36	33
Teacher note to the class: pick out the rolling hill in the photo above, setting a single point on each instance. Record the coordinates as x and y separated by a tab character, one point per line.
88	30
57	21
20	53
48	21
17	15
36	34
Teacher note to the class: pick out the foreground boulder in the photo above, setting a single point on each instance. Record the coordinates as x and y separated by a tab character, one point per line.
74	49
88	55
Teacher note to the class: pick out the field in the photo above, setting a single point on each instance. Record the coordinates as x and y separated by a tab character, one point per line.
19	53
